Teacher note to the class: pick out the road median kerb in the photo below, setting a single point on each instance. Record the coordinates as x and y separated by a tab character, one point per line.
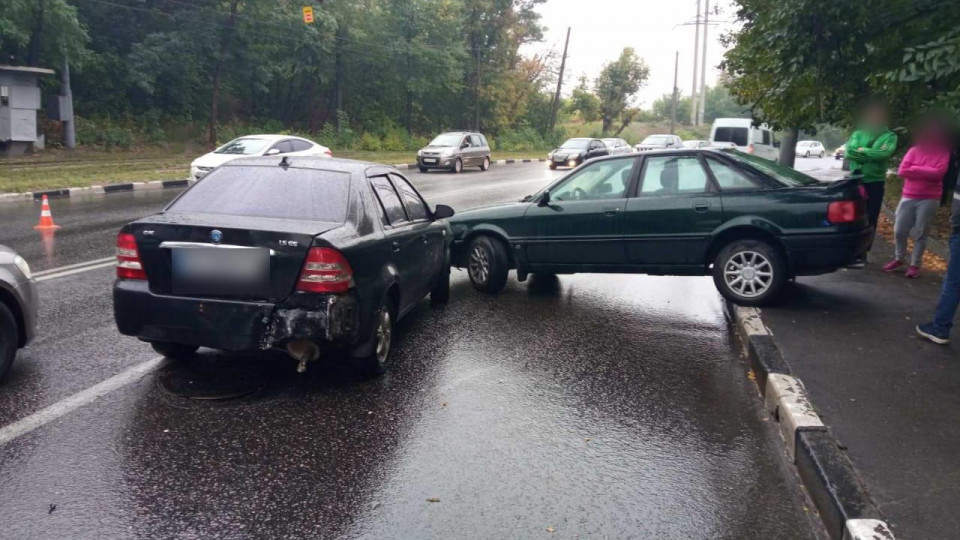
160	184
828	475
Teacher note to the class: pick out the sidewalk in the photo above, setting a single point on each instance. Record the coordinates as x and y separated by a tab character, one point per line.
891	399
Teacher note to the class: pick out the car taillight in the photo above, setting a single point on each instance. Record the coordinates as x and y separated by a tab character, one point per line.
128	258
328	153
325	271
844	211
750	149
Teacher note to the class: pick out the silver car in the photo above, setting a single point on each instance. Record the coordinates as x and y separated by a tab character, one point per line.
455	150
18	306
658	142
617	146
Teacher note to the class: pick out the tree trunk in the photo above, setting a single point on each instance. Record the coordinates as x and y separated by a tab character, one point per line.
788	147
218	71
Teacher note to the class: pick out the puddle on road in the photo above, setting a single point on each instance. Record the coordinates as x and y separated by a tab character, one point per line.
209	382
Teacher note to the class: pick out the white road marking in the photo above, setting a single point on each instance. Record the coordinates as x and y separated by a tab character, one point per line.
72	266
84	397
75	271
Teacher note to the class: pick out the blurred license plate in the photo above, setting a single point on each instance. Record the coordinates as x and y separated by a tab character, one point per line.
221	271
429	160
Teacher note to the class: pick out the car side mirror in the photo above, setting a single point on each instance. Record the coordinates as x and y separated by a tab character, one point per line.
443	212
544	199
272	152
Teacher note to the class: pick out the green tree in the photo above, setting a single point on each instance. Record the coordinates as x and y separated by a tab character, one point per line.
584	101
36	32
617	83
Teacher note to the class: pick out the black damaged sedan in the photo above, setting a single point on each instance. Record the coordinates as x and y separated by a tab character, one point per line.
301	254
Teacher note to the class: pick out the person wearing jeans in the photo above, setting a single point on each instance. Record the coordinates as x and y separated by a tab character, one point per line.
938	330
868	151
922	170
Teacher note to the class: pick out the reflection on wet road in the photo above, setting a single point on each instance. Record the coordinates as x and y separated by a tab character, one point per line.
583	406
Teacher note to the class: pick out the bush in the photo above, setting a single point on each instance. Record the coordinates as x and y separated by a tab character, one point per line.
521	140
369	141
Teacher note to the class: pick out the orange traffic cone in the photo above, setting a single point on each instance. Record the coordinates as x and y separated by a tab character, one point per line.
46	219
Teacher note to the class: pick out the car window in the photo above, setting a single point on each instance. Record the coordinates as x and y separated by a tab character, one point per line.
389	200
673	175
475	141
416	209
245	146
484	141
735	135
729	177
270	192
300	146
767	139
283	146
601	180
784	175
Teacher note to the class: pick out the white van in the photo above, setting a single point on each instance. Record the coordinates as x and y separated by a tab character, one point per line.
745	136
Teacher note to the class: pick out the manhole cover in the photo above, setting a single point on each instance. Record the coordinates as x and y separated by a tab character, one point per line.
198	382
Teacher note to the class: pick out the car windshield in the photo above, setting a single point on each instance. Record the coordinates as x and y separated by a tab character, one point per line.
269	192
245	146
576	144
785	175
447	139
656	139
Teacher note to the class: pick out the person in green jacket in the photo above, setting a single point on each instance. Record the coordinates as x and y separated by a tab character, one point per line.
869	150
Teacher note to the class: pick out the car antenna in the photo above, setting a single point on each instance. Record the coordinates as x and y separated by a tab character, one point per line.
284	163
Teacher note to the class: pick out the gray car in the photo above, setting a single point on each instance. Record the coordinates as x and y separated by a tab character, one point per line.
455	150
18	306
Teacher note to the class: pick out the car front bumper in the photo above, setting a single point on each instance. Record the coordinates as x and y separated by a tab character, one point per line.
232	325
436	162
822	253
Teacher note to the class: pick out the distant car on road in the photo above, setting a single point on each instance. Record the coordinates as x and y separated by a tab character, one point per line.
840	152
301	254
658	142
750	223
696	144
18	307
745	137
574	152
256	145
455	150
810	148
617	146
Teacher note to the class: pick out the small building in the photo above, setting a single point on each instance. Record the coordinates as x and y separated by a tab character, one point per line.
19	103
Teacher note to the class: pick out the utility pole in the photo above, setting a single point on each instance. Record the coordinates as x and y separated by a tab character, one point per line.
696	49
476	95
66	108
703	64
556	98
673	112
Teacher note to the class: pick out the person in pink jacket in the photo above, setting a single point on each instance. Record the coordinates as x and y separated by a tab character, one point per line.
922	170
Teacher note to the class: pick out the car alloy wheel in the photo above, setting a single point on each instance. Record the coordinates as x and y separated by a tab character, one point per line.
807	154
479	266
457	166
748	274
486	164
384	335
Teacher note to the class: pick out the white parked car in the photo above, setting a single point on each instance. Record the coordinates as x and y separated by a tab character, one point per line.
658	142
617	146
256	145
811	148
756	140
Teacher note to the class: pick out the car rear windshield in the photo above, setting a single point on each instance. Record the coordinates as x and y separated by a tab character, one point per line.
269	192
785	175
736	135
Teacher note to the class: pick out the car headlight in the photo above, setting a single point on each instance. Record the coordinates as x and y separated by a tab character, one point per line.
419	153
22	265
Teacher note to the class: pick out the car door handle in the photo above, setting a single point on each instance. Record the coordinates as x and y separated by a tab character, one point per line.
610	211
396	246
701	207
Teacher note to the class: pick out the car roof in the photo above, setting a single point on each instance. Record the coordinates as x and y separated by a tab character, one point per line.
351	166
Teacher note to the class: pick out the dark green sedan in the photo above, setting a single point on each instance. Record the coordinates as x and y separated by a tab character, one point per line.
749	222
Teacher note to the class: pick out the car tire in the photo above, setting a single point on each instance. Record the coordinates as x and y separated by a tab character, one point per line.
807	154
176	351
821	155
553	166
457	166
424	169
440	293
377	362
9	334
487	264
738	272
485	165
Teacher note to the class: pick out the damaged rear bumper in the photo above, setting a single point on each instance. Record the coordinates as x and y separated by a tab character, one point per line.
232	325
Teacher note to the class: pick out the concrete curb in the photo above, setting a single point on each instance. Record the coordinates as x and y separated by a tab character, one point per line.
164	184
845	508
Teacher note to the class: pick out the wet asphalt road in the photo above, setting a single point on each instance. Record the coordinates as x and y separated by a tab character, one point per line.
590	406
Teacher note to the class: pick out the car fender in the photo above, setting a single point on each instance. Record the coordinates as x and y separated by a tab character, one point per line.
458	249
737	227
386	278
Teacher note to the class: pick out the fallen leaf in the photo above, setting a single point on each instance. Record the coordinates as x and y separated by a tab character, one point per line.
550	529
433	500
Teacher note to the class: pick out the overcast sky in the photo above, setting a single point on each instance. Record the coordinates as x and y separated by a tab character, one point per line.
602	28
